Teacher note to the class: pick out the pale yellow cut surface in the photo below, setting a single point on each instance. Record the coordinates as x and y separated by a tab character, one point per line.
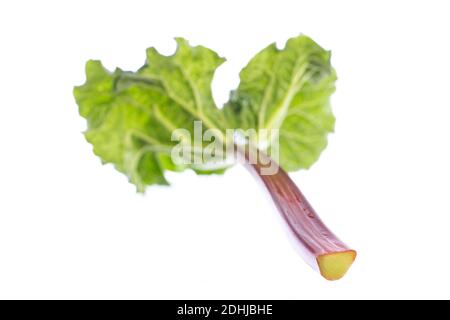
334	266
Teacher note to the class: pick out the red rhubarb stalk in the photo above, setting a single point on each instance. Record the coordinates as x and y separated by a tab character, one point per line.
320	248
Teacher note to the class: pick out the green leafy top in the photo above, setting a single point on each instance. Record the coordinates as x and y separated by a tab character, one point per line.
131	115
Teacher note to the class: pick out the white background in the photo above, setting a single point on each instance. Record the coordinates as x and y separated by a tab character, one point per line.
72	228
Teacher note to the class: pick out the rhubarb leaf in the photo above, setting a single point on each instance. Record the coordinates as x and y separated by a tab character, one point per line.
289	90
131	116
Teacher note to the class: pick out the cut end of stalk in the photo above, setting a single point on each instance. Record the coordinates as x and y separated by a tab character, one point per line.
333	266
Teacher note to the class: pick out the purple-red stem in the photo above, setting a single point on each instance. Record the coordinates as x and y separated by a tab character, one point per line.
312	235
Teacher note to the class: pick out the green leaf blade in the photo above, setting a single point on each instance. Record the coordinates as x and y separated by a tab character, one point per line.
288	90
131	115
